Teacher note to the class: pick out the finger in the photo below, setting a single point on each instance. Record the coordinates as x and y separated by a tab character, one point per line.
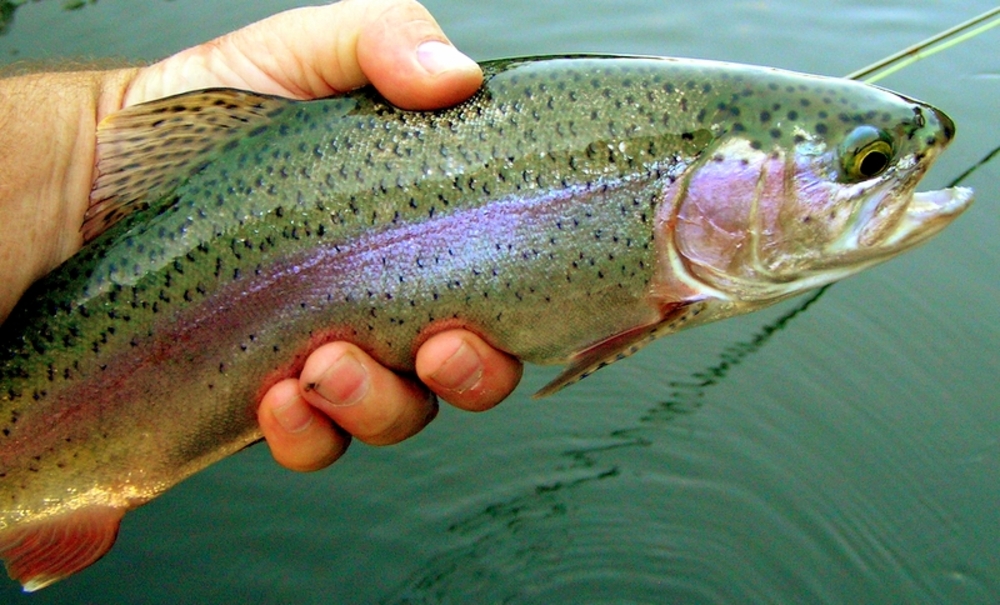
364	398
404	53
317	51
467	372
300	438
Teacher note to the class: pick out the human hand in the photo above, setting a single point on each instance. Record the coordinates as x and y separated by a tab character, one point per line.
313	52
305	53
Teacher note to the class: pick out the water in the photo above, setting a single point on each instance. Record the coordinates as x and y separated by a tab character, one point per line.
849	457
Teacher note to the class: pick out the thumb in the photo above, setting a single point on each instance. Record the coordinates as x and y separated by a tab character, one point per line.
317	51
404	53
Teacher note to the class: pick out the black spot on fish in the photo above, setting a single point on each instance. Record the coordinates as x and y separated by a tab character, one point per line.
821	128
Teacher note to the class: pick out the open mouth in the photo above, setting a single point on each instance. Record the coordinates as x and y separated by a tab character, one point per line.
927	213
943	202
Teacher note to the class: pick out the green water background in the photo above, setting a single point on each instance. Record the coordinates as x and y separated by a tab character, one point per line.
851	457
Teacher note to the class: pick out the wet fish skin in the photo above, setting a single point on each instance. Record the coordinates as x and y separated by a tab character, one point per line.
542	214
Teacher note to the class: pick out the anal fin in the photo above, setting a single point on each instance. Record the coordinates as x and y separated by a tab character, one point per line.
45	551
620	346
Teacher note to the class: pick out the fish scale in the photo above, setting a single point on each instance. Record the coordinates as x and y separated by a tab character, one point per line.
571	211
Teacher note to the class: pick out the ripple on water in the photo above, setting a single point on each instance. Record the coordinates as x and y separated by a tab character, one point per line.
762	498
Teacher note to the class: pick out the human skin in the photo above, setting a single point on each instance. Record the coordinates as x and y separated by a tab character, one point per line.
48	125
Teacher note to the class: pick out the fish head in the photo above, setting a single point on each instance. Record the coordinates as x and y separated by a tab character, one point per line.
814	193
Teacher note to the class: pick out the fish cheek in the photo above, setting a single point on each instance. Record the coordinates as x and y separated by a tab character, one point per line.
717	212
813	214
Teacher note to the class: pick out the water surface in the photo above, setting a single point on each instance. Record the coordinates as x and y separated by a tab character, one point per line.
851	456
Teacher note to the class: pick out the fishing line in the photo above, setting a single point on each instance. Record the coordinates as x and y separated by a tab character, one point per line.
986	159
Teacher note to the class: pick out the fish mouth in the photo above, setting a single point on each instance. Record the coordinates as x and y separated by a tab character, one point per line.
877	237
927	213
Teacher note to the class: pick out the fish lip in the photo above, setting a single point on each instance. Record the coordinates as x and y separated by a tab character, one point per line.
927	213
942	202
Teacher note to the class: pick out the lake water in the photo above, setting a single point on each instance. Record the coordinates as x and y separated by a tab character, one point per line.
853	456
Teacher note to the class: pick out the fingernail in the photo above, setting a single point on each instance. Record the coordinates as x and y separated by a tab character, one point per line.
294	416
437	57
460	372
344	383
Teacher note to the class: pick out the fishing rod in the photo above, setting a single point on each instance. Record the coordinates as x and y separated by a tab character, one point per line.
926	48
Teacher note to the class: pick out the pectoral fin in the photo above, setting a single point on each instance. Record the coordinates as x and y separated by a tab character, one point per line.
619	346
42	552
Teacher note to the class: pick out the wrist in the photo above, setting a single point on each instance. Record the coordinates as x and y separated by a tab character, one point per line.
48	125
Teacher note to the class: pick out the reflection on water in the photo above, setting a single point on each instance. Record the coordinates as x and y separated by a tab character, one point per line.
8	8
497	526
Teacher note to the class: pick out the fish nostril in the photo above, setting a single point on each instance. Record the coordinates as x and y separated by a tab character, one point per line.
947	126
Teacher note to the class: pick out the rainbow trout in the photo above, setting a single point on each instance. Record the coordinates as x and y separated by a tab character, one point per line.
572	211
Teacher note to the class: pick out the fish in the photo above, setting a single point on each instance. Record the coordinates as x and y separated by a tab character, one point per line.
573	210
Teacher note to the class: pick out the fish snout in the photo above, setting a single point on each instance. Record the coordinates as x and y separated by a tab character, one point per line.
942	126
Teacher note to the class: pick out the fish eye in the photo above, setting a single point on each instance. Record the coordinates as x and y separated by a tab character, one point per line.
866	153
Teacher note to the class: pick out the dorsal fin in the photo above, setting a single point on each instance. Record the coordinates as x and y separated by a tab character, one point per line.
146	150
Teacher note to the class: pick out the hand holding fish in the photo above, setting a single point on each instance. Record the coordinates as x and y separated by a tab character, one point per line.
305	53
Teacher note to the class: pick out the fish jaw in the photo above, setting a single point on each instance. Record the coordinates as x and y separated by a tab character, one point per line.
926	215
890	219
